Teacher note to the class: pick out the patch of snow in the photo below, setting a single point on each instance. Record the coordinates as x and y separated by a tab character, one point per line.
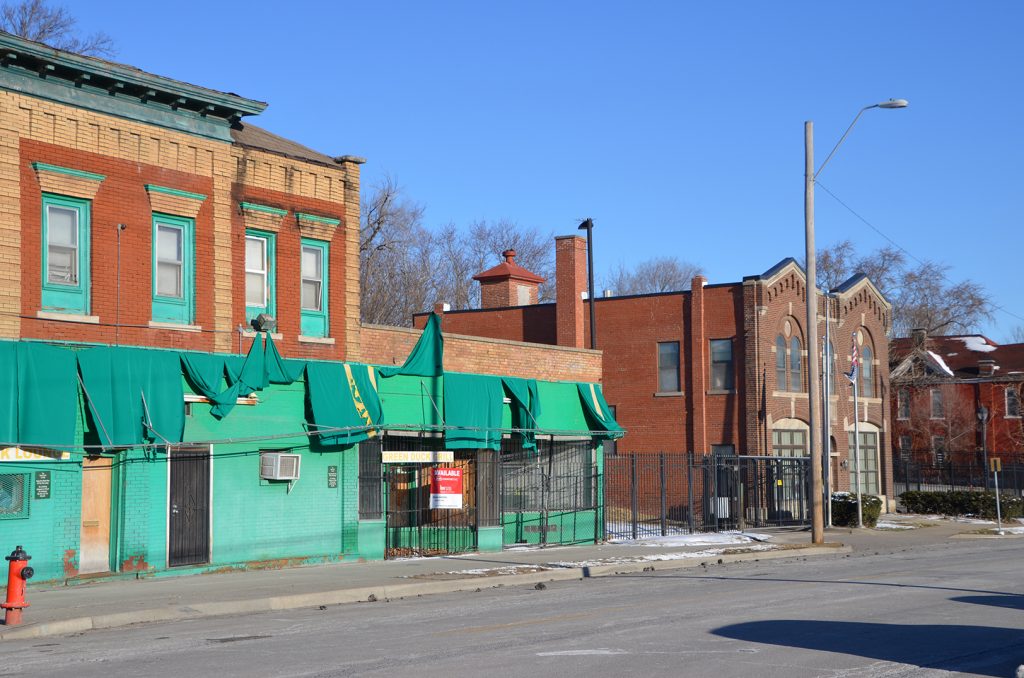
977	343
711	539
942	363
886	525
1013	530
974	521
655	557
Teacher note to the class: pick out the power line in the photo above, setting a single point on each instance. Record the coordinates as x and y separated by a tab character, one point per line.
904	249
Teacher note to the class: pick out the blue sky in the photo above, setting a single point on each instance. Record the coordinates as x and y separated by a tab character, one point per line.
676	126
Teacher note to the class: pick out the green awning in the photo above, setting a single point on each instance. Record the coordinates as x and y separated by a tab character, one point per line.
599	415
525	407
38	395
427	356
134	395
336	418
472	411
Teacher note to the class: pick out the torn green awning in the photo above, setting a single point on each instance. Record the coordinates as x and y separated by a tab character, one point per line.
336	419
599	415
133	395
38	395
426	358
205	372
472	411
525	407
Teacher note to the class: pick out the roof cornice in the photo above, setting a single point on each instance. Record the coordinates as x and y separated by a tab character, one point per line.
34	69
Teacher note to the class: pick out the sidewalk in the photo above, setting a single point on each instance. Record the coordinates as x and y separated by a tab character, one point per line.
57	610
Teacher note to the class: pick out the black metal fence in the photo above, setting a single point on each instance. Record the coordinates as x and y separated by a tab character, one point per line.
658	494
949	476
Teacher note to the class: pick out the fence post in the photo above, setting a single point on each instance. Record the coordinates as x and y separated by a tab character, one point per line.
664	512
633	499
689	489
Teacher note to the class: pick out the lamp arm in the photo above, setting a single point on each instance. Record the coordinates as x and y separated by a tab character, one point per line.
842	139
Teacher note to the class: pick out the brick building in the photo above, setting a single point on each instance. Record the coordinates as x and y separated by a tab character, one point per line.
719	368
956	397
145	424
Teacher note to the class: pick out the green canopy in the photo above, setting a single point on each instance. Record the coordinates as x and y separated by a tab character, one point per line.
334	410
525	407
38	395
427	356
134	395
599	415
472	411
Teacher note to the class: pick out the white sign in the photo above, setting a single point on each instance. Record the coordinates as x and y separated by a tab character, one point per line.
18	454
417	456
446	488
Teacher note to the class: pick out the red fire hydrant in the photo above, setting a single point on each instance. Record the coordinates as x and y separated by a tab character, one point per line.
18	573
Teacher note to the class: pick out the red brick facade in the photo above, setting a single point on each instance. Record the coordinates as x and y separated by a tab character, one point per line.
754	414
957	399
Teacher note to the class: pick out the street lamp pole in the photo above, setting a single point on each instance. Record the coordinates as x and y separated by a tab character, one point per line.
811	294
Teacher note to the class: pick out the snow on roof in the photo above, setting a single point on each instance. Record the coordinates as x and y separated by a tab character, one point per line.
941	363
977	343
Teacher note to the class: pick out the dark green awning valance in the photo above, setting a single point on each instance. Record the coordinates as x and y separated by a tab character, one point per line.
472	411
599	415
38	395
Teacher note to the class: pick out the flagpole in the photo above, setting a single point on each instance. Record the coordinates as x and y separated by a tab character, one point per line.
856	447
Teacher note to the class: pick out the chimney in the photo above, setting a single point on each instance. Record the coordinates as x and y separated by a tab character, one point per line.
986	368
508	284
570	284
696	365
918	337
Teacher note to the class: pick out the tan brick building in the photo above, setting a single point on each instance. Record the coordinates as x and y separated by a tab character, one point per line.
722	367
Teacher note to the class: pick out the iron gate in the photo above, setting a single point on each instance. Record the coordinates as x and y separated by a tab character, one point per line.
551	494
189	506
658	494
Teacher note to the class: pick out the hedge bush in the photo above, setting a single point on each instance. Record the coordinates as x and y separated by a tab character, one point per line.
844	509
979	504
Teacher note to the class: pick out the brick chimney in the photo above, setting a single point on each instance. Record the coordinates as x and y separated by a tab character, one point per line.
986	368
570	283
697	365
508	284
918	337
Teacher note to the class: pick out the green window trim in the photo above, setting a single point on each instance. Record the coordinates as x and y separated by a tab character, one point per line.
302	216
267	209
269	272
56	169
315	316
171	307
177	192
72	294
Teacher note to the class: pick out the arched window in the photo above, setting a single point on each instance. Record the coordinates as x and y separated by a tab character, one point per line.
831	369
796	378
780	363
867	381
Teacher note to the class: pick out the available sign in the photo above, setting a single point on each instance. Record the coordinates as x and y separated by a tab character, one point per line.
417	456
446	488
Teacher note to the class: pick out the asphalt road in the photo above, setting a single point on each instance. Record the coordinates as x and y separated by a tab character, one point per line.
955	608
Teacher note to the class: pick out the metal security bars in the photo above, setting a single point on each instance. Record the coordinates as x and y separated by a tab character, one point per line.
14	495
550	495
658	494
947	476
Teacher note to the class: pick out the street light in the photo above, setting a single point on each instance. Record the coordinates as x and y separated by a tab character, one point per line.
814	395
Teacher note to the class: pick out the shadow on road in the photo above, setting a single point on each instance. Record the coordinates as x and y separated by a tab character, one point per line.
1010	601
983	650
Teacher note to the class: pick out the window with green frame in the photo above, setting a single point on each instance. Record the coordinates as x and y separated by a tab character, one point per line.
314	288
260	265
173	269
65	246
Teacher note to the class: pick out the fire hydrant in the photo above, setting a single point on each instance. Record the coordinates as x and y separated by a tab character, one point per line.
18	573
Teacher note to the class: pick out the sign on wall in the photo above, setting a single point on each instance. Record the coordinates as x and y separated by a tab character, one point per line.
332	477
42	484
18	454
417	456
446	488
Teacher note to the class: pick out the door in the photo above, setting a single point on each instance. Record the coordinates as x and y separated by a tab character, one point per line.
189	520
94	549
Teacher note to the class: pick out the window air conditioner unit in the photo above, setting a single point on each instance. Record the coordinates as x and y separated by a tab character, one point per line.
279	466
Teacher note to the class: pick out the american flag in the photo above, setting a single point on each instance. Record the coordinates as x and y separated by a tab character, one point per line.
854	362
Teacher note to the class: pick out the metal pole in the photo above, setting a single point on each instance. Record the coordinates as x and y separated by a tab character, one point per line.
633	498
999	513
826	402
588	226
689	488
664	510
983	416
856	450
813	395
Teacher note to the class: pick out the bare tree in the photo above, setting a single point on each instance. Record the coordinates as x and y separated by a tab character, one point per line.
661	274
1017	335
534	252
921	295
53	26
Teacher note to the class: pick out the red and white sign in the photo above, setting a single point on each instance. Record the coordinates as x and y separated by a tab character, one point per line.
446	488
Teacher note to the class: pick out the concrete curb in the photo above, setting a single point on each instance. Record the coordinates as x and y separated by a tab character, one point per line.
384	592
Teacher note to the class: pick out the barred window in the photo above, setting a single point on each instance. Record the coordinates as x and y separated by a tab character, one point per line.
14	489
371	480
559	476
